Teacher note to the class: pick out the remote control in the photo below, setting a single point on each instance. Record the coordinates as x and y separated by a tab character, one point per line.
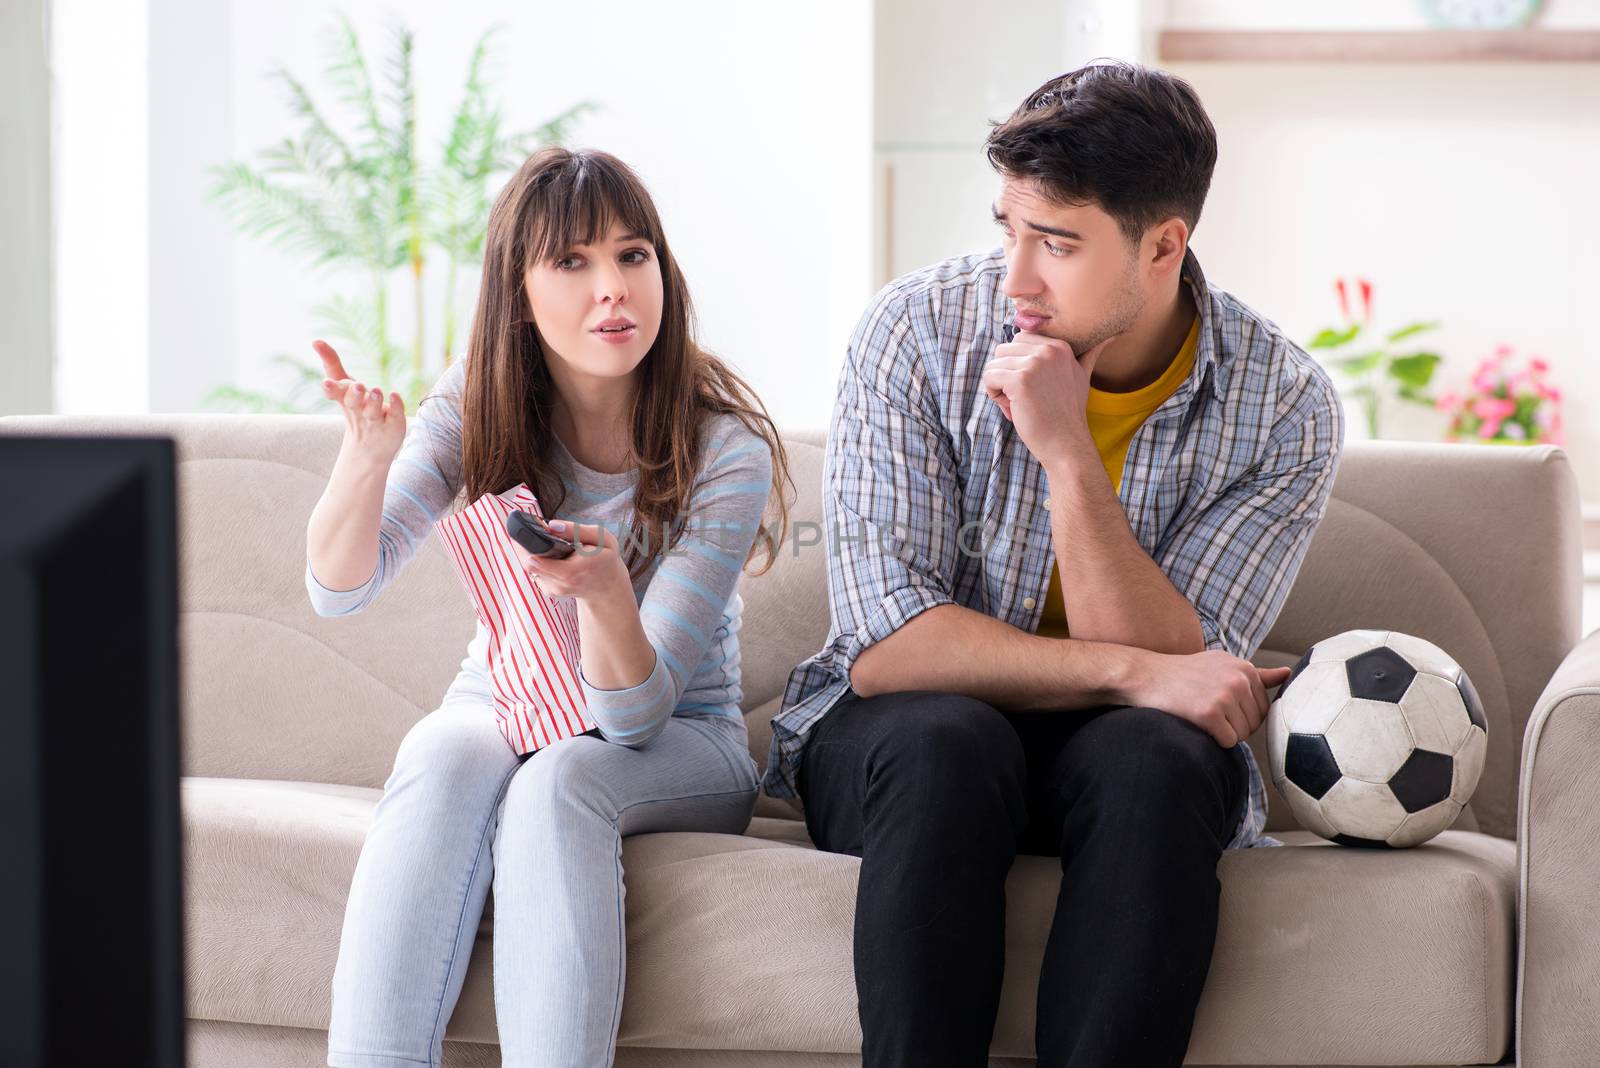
528	531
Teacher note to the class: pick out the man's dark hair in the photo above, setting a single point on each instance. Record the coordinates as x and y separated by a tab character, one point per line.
1132	139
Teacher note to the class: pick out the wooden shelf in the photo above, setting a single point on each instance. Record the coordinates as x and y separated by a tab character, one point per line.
1404	46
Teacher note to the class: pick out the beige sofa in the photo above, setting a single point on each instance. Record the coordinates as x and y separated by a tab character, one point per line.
1325	955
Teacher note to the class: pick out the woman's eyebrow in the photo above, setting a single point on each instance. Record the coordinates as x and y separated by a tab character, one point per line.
615	241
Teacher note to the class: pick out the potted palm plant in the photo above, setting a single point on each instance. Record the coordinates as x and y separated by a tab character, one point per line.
367	202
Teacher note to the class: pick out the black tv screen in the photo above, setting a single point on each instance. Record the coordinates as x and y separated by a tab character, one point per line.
91	920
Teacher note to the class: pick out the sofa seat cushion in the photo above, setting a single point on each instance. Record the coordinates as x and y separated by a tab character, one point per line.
1324	955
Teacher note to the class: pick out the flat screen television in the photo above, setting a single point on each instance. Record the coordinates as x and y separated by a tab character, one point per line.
91	918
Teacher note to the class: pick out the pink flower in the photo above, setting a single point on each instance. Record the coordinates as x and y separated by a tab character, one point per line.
1493	408
1366	299
1446	402
1344	299
1489	428
1538	366
1501	351
1485	381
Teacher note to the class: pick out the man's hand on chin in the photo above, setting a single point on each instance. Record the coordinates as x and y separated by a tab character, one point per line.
1043	388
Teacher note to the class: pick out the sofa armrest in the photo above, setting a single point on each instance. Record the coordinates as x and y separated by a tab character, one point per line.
1558	857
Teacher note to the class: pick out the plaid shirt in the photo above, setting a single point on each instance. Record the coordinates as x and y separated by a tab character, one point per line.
1224	484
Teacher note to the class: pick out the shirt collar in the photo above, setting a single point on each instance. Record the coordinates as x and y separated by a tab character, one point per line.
1205	351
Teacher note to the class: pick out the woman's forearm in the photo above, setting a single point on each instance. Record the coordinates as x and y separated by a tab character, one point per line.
342	535
616	652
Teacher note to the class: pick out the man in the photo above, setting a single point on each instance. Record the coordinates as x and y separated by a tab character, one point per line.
1084	691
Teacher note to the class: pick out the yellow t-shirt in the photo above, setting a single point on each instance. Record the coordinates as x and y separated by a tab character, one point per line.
1113	420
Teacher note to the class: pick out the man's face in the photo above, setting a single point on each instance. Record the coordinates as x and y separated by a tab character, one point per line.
1070	271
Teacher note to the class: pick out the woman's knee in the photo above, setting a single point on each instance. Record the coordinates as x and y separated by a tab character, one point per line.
571	772
458	746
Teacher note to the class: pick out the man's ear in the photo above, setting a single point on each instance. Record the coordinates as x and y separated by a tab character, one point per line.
1164	246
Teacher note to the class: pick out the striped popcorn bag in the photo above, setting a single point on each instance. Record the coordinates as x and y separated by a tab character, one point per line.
533	637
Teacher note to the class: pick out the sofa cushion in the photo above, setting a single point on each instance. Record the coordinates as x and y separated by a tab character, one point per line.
1324	955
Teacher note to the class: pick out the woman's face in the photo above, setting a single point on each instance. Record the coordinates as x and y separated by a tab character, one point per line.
598	307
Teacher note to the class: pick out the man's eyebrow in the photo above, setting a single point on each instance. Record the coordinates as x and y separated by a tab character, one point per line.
1070	235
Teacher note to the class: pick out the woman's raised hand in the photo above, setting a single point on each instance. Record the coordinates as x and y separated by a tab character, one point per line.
374	427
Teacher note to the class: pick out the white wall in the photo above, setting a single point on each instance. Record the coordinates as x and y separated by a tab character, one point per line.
1462	191
750	123
191	247
99	60
944	69
26	350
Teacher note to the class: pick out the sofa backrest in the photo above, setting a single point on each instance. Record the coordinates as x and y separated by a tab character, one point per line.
1475	548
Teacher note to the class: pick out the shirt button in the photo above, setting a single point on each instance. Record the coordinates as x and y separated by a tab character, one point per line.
1047	502
1028	602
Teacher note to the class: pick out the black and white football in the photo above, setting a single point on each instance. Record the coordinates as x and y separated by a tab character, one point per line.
1377	739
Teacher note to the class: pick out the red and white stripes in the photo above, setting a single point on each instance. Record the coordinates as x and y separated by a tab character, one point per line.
533	638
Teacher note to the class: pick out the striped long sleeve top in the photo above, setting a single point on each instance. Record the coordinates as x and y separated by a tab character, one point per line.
688	600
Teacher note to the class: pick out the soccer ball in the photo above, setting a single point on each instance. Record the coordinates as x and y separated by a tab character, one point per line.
1376	739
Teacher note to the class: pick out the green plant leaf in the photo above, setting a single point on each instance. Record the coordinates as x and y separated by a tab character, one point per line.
286	217
348	73
1411	330
1357	365
1415	370
1332	339
233	398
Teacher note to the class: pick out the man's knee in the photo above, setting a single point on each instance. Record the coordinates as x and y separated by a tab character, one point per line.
1156	758
943	733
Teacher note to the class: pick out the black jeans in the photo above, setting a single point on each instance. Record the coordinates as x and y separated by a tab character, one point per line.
937	794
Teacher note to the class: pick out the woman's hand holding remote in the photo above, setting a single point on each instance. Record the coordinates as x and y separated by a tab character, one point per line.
374	428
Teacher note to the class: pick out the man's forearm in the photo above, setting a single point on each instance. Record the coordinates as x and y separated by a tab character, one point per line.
1112	589
957	650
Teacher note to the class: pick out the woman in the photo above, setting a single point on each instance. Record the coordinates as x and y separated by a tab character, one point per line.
582	379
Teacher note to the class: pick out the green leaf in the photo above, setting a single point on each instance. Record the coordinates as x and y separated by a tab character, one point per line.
297	220
1332	339
1409	331
248	401
1357	365
1416	369
348	72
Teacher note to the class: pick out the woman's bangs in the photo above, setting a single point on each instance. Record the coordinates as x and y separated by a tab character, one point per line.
580	207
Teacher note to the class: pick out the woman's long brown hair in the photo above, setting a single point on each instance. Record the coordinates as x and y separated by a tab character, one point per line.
557	199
